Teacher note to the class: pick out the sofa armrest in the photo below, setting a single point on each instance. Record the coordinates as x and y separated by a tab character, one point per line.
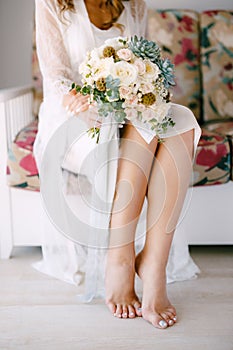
11	93
15	111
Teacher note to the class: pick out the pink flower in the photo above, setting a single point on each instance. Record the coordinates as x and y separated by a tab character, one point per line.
211	157
125	91
124	54
140	65
188	53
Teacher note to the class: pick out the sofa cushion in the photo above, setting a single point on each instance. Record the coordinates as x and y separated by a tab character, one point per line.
217	64
21	166
224	128
212	164
177	33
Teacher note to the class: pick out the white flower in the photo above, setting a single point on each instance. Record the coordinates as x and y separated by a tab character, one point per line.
152	70
102	67
148	114
161	111
125	54
146	87
131	113
140	66
117	42
126	72
125	91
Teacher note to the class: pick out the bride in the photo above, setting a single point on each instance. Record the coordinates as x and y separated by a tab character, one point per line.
149	178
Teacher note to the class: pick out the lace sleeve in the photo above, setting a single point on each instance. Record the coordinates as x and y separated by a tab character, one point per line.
53	58
139	13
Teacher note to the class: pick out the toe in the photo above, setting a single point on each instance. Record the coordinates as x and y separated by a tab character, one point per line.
131	311
138	308
125	311
112	307
156	320
118	312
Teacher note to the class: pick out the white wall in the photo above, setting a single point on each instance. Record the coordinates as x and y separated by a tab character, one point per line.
16	22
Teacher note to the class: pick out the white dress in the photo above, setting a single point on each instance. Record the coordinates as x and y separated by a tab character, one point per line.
76	225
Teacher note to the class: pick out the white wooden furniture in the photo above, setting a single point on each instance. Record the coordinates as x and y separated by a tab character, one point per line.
207	217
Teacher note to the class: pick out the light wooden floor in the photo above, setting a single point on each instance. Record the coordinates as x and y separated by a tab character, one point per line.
38	312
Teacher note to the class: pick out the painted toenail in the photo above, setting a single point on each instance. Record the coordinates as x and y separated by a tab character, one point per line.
139	309
170	322
175	318
124	314
131	313
163	324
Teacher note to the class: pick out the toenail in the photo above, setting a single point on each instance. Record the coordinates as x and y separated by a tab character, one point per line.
131	313
114	314
175	318
124	314
139	309
163	324
170	322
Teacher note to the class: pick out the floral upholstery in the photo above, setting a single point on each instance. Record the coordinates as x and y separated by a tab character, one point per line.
176	31
217	63
21	166
213	160
224	128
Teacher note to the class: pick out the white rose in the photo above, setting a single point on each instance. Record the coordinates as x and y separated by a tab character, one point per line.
161	110
115	42
124	54
102	68
126	72
125	91
140	66
146	87
152	70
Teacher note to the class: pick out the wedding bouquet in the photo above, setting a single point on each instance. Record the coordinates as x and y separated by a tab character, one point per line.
129	79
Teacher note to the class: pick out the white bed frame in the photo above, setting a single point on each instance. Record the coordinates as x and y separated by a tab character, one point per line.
208	215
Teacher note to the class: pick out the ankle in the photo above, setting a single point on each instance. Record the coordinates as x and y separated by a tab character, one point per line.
124	255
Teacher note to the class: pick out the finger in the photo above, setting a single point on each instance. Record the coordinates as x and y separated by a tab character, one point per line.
77	102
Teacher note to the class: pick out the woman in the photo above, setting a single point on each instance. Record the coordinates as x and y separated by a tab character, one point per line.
66	30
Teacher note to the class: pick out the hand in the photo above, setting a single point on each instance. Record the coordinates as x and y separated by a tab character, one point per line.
75	103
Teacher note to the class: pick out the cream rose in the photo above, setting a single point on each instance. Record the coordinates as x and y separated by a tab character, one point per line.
124	54
126	72
125	91
152	70
140	66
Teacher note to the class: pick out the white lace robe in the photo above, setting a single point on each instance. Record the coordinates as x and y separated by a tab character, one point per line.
84	216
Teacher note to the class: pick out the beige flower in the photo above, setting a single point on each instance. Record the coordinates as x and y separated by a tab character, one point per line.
223	33
126	72
125	54
224	104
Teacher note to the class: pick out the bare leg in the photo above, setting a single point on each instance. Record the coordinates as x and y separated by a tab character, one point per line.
135	163
167	187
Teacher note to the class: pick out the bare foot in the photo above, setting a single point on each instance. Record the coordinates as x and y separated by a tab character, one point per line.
121	298
156	308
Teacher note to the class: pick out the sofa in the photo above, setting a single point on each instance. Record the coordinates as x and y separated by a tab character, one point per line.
201	47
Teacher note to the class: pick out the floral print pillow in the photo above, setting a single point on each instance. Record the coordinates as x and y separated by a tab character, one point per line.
213	160
177	33
217	63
